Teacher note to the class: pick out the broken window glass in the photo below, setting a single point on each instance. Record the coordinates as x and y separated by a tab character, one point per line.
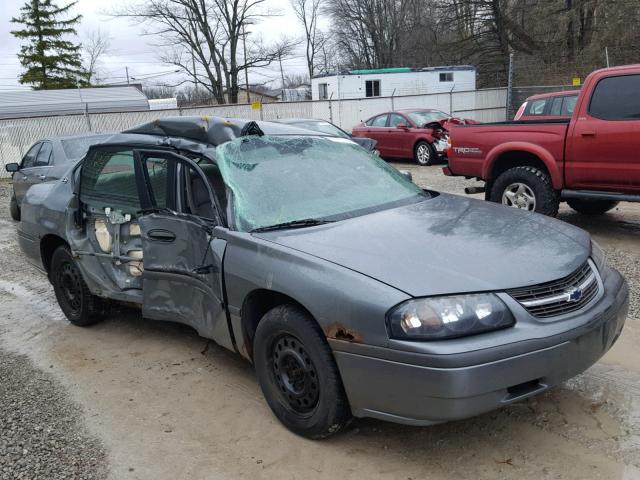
274	180
108	180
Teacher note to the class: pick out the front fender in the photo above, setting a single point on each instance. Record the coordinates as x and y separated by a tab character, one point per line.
540	152
339	299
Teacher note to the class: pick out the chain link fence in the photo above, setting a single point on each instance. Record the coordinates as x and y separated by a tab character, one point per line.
17	135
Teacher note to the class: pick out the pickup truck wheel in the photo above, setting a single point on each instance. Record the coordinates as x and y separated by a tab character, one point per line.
591	207
298	375
79	305
14	209
527	188
424	153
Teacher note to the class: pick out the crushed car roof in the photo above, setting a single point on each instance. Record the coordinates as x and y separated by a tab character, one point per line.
211	130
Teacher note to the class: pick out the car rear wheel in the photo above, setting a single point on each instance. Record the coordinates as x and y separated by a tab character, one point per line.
298	375
14	209
424	153
526	188
591	207
79	305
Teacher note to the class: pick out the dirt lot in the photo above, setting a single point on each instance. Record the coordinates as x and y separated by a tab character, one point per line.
164	403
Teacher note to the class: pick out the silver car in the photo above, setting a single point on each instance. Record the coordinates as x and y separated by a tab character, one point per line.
46	160
351	290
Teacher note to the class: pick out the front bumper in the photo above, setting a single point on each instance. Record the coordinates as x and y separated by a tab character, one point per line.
422	395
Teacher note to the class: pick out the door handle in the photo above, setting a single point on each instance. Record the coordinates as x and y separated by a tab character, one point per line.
160	235
42	177
588	134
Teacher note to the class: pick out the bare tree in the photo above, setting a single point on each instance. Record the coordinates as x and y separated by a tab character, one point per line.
203	38
159	91
95	46
308	13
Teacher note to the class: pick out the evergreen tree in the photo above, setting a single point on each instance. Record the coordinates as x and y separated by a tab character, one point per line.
49	60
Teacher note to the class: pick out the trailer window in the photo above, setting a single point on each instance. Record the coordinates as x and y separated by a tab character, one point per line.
616	98
372	88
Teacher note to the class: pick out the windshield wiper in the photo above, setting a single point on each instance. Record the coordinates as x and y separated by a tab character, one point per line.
307	222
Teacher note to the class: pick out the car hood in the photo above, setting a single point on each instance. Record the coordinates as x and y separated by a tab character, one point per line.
447	244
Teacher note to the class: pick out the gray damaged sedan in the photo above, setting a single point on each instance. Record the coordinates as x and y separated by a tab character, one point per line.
351	290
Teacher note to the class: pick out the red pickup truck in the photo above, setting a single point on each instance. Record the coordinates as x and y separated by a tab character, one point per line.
591	161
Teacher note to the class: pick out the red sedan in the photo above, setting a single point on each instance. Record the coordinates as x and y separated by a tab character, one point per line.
420	134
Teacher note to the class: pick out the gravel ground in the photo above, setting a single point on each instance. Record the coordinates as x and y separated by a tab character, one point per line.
42	435
41	430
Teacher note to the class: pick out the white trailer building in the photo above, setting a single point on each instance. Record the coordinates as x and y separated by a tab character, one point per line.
387	82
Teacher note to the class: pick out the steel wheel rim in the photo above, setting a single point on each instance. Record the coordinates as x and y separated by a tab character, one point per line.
519	195
294	375
423	154
70	287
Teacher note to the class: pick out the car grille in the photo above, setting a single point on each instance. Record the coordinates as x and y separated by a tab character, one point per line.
559	297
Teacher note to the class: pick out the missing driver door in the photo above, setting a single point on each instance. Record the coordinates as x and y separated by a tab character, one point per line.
182	278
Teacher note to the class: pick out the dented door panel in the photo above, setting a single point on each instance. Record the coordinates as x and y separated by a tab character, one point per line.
182	279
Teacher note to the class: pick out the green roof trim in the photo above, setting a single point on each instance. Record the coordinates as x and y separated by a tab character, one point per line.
381	70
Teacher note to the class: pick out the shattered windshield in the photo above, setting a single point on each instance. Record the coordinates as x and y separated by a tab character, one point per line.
278	180
422	118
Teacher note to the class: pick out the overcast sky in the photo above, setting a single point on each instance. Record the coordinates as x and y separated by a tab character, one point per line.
130	49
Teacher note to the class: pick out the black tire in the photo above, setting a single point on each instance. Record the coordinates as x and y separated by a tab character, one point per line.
424	154
14	209
591	207
288	342
80	306
536	184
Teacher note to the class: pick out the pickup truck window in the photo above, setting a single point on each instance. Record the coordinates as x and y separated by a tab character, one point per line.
616	98
536	107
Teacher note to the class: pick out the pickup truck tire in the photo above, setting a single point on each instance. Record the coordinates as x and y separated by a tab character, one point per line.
298	375
591	207
79	305
532	188
424	154
14	209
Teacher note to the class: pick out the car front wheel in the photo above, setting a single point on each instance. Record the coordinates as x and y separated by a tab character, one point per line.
526	188
591	207
298	375
79	305
424	153
14	209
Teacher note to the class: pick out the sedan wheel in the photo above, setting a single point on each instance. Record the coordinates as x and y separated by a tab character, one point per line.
294	372
297	373
424	154
80	306
519	195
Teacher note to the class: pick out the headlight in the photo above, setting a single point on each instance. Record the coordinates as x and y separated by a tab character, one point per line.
598	256
448	317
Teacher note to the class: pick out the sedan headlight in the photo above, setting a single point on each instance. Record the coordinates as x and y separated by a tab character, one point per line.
448	317
598	256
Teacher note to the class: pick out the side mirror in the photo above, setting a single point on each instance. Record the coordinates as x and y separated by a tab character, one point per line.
12	167
406	174
402	126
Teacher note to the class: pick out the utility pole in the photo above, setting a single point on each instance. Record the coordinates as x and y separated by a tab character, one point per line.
246	69
126	69
281	70
510	86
